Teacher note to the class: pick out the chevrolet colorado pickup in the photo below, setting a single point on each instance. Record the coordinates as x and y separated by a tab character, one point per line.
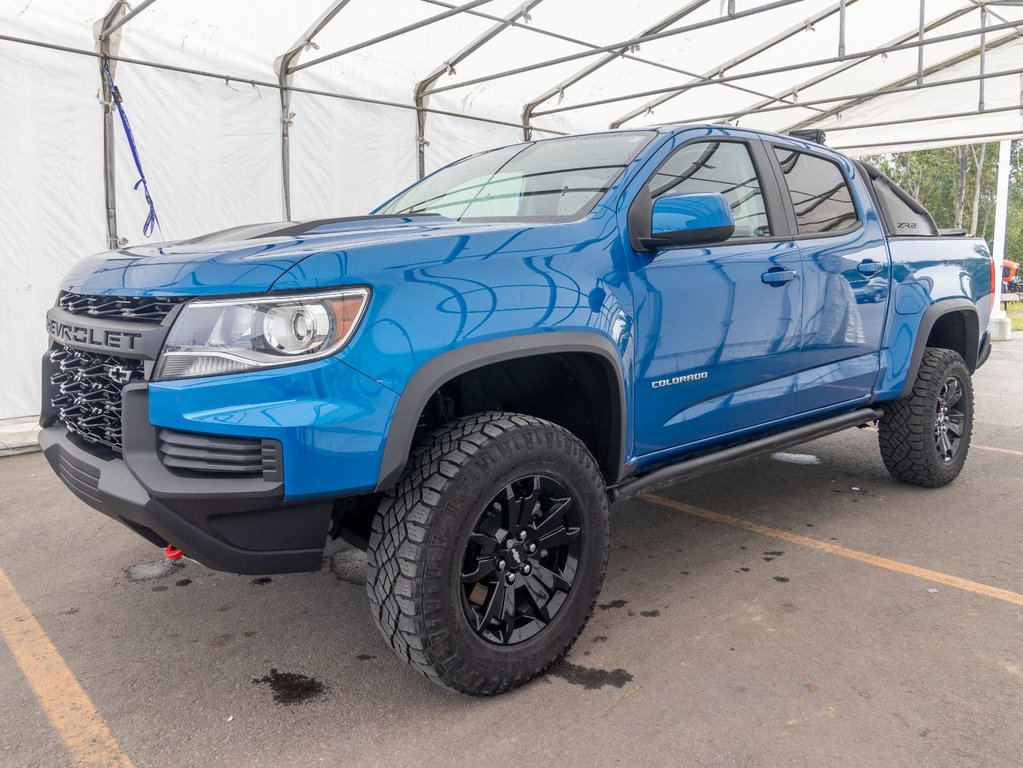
464	380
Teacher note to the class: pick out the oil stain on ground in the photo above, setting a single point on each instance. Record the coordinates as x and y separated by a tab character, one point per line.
650	614
590	678
291	688
613	604
260	581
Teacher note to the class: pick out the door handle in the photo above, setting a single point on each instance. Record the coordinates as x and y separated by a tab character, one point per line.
869	267
778	276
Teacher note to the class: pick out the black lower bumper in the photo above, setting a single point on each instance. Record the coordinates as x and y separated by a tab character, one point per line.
235	524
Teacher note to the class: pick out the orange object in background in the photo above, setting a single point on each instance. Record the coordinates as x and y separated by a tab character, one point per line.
1012	279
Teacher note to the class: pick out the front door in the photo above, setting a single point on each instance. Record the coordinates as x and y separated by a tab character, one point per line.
717	327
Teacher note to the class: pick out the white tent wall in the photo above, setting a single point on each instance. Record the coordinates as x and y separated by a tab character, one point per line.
210	150
347	157
211	143
51	201
451	138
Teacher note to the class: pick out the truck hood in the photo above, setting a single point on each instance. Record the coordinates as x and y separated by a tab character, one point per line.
251	259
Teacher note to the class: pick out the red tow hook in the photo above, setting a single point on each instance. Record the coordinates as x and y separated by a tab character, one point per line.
173	553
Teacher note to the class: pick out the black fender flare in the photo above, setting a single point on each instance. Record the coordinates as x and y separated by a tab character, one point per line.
932	314
445	367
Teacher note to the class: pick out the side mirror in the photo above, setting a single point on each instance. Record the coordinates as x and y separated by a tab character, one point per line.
677	221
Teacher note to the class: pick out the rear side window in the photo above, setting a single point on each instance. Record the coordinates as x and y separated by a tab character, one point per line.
820	195
717	166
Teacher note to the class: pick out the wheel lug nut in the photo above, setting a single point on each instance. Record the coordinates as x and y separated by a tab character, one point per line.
511	578
522	535
501	565
527	568
531	548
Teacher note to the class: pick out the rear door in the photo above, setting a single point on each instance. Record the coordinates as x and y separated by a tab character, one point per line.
717	326
846	278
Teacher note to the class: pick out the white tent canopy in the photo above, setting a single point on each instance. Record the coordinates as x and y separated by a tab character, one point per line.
249	112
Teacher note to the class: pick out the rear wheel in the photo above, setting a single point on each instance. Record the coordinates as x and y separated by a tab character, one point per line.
925	436
486	560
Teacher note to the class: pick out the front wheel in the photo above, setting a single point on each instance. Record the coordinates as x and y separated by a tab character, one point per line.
925	436
485	561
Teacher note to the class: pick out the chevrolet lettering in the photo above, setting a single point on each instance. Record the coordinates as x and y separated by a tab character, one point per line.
90	336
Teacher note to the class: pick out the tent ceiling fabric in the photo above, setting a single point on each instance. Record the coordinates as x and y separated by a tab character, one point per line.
203	94
781	37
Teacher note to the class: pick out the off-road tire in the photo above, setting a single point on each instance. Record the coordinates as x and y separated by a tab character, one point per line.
420	533
906	432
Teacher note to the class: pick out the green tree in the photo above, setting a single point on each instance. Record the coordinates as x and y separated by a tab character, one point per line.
946	181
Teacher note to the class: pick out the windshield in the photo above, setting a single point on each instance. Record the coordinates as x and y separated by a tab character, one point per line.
552	179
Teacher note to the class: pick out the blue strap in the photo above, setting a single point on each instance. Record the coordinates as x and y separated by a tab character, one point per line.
151	222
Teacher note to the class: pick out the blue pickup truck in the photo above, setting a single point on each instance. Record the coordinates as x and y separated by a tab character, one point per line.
463	381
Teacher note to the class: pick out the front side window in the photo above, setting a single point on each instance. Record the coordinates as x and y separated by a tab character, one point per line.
820	195
552	179
717	166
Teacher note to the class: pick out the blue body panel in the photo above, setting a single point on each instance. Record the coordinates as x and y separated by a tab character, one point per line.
757	355
329	418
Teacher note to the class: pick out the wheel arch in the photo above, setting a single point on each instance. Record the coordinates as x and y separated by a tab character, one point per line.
449	366
948	324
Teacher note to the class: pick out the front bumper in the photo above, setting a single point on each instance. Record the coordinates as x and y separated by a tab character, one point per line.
236	524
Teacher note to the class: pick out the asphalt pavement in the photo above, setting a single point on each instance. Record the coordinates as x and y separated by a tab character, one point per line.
801	610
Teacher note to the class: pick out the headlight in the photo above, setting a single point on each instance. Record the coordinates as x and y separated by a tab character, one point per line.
234	335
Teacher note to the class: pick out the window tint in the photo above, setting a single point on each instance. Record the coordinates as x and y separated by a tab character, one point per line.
717	166
555	178
822	200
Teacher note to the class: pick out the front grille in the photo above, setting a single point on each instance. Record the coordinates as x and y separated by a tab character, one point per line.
218	455
86	392
148	308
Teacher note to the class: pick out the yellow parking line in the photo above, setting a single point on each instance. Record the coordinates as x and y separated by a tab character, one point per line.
997	450
992	394
834	549
66	704
978	446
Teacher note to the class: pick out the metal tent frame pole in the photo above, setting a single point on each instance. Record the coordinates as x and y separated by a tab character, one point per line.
824	76
714	75
115	18
1001	327
897	85
529	107
282	66
964	138
861	97
621	53
780	70
392	34
419	94
229	78
113	26
630	43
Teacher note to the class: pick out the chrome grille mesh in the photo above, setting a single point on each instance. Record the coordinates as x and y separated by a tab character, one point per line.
148	308
85	391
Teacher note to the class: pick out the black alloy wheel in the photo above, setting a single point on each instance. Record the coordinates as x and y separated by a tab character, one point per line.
949	419
521	560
